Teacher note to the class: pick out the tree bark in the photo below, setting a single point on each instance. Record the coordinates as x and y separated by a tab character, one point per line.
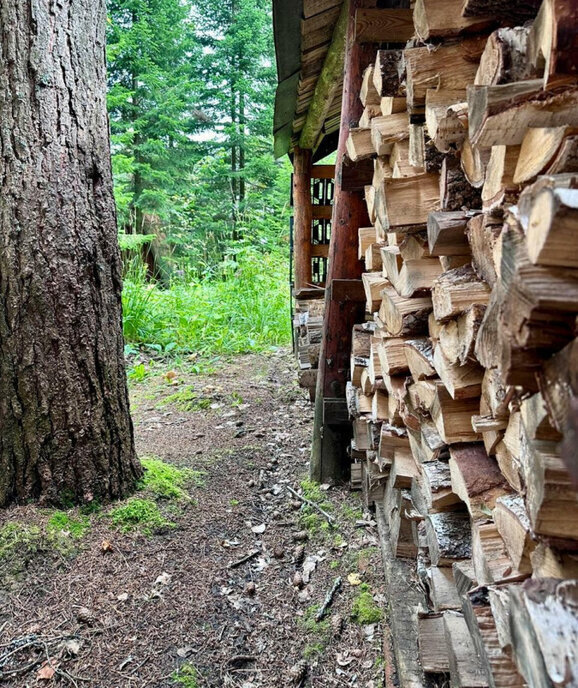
65	428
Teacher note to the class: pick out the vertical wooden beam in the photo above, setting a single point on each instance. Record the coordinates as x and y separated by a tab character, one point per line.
349	213
302	217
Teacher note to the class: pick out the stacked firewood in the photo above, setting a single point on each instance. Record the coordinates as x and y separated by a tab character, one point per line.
464	379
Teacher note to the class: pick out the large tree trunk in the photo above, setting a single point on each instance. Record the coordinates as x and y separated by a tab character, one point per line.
65	428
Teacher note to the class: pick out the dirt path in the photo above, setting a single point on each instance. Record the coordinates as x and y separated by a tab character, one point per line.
83	603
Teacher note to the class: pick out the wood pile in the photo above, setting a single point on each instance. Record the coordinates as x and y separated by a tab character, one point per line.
307	330
464	378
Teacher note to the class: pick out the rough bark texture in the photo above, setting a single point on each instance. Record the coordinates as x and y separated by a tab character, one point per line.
65	428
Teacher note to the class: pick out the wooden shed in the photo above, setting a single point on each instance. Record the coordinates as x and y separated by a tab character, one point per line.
436	296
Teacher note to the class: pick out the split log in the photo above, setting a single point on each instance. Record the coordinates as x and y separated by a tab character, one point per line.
386	73
446	233
442	18
544	629
552	42
373	283
496	395
516	11
359	144
392	105
391	262
456	291
465	667
417	276
559	384
404	469
448	537
536	420
381	171
461	381
497	665
474	161
501	115
482	233
414	247
369	193
551	497
464	576
476	478
369	112
548	562
368	93
404	316
373	262
392	357
435	488
490	558
385	131
433	651
453	417
513	524
543	148
449	67
366	237
379	406
504	58
551	235
539	303
499	186
443	589
407	202
456	193
446	117
419	358
457	338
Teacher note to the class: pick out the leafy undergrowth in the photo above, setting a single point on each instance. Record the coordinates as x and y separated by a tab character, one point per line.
245	309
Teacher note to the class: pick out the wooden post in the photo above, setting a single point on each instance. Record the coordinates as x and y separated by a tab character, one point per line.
349	213
302	218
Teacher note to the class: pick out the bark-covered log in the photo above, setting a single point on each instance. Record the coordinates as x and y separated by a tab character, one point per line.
386	73
504	58
456	193
64	414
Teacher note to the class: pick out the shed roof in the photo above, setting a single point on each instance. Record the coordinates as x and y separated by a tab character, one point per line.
303	32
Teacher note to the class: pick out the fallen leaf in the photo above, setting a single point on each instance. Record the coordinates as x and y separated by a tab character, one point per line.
354	579
343	659
258	530
123	597
163	579
107	546
309	565
45	673
72	646
184	652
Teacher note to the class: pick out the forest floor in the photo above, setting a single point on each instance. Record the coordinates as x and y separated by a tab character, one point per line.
214	583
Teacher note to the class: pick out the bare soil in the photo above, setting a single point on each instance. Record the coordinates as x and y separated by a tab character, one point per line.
110	609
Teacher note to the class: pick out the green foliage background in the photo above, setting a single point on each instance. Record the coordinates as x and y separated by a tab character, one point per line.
202	204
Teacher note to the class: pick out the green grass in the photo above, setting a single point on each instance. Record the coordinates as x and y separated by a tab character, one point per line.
247	311
166	481
137	514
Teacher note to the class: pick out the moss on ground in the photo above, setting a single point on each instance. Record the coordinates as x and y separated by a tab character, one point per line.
365	609
137	514
166	481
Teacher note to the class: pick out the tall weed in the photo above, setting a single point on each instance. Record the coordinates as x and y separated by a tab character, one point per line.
245	307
